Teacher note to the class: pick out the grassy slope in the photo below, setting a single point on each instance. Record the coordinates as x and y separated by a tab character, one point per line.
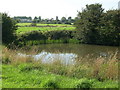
21	77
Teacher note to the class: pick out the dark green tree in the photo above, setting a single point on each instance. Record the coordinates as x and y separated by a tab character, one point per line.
35	20
110	28
63	20
8	29
88	23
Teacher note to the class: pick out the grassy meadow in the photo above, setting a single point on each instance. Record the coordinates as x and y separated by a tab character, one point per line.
38	24
21	30
25	72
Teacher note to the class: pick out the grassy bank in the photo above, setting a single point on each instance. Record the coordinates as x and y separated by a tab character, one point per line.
22	76
85	73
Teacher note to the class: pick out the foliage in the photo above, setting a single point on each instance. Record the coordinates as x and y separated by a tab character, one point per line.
33	35
96	27
24	19
38	35
59	34
88	23
84	83
110	28
33	24
8	29
50	83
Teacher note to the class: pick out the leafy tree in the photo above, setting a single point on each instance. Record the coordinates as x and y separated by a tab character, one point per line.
35	20
8	29
63	20
30	18
110	28
88	23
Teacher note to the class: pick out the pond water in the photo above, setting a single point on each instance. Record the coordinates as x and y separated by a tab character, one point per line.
67	53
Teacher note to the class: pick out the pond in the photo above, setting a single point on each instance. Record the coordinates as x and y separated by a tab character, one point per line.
68	53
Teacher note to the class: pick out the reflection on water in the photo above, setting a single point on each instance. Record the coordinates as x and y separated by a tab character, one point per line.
45	57
66	58
67	53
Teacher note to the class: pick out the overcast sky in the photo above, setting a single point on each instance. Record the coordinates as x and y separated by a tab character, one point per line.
50	8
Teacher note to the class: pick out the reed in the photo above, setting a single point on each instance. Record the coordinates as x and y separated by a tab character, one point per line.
99	68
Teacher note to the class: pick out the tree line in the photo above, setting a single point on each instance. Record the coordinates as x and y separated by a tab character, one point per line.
63	20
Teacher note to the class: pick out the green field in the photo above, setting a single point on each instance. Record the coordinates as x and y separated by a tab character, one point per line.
27	29
28	24
24	29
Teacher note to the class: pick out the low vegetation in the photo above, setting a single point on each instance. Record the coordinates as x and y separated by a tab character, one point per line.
96	73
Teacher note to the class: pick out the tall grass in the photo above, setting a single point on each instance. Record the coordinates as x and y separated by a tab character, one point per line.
99	68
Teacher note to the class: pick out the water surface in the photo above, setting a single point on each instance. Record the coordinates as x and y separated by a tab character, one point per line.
68	53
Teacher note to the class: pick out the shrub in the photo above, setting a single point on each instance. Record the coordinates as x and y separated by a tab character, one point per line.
33	35
50	83
33	24
6	60
29	67
84	83
59	34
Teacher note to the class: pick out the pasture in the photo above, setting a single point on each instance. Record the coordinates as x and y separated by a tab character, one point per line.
38	24
21	30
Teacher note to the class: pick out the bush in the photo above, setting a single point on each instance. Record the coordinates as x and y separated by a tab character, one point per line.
84	83
33	35
59	34
29	67
33	24
50	83
6	60
39	37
